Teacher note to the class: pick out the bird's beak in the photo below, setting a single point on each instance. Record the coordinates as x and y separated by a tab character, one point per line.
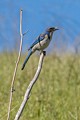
56	28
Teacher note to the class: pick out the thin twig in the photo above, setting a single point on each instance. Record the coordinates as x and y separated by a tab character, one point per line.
25	32
27	93
4	116
16	66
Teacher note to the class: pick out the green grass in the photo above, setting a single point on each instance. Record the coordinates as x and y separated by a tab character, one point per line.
56	94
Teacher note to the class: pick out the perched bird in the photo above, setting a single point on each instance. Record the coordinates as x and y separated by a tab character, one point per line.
40	43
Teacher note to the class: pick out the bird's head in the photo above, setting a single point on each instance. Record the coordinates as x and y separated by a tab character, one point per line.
52	29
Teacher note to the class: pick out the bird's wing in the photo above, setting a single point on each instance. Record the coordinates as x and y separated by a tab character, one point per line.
40	38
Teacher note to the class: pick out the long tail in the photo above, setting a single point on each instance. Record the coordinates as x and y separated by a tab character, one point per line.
30	53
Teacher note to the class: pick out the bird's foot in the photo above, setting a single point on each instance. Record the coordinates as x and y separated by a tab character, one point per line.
44	52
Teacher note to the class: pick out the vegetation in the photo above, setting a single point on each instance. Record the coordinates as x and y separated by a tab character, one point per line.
55	96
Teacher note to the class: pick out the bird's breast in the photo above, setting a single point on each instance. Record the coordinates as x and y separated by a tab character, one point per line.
42	44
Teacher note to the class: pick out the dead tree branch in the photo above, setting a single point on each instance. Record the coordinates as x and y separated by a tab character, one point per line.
16	66
27	93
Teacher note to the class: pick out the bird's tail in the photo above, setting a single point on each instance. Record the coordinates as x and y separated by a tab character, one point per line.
30	53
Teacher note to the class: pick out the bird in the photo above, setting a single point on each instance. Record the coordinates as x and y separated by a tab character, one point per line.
41	42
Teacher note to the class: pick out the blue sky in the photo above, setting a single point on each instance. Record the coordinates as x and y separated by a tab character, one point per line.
37	16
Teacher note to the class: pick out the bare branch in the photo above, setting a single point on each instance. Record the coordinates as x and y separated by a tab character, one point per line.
21	22
27	93
25	33
16	66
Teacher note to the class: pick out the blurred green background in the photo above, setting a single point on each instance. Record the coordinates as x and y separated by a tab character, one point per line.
56	94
